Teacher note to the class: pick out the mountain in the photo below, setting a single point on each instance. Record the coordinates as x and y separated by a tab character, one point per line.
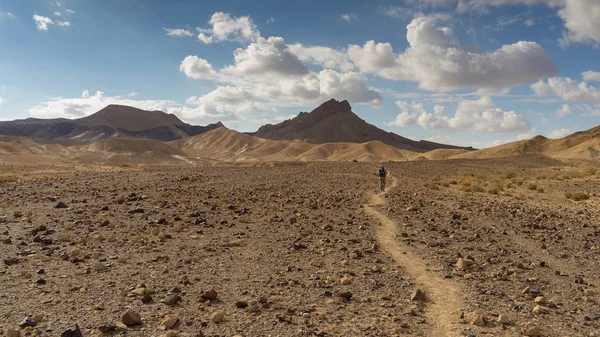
579	145
334	121
114	121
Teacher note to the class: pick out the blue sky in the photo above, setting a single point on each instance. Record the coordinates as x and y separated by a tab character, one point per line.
467	72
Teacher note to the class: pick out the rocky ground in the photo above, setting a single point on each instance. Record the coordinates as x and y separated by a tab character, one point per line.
297	250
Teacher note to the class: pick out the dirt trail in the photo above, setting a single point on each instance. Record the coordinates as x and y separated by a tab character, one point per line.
444	302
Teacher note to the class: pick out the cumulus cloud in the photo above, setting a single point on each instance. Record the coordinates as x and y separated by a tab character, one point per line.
589	76
228	28
1	100
324	56
198	68
178	32
42	22
349	17
439	62
479	115
63	23
7	14
582	19
559	133
567	89
588	110
88	104
133	94
564	111
266	57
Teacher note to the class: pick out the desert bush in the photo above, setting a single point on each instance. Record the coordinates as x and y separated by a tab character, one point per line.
577	196
532	187
509	174
466	180
453	182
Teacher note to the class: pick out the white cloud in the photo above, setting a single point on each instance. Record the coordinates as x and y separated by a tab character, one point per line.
1	100
42	22
70	11
271	20
63	23
8	14
227	28
479	115
588	110
559	133
349	17
87	105
567	89
178	32
526	135
198	68
225	102
564	111
582	18
589	76
57	13
529	22
264	57
133	94
323	56
439	62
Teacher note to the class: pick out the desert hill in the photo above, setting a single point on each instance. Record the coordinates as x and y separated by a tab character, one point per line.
227	145
334	121
114	121
579	145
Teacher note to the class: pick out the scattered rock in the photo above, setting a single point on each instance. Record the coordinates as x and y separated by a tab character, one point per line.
27	322
464	264
172	300
210	295
217	316
147	299
503	319
345	295
418	295
13	333
131	318
72	331
528	329
168	322
61	204
107	328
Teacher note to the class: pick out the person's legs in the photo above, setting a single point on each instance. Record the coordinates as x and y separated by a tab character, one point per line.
382	184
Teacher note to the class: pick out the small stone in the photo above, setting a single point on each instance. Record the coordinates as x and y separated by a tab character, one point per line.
477	320
13	333
345	294
540	300
139	291
99	266
253	307
172	300
210	295
503	319
345	280
530	330
39	317
107	328
169	334
464	264
217	316
168	322
72	331
241	304
418	295
147	299
539	310
10	261
131	318
27	322
61	204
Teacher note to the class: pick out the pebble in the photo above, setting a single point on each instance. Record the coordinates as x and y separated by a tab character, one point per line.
146	299
172	300
13	333
503	319
464	264
131	317
210	295
418	295
27	322
168	322
72	331
531	330
217	316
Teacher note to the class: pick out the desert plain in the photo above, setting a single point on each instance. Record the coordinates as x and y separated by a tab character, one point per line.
458	247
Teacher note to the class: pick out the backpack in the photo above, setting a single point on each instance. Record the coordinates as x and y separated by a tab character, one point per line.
382	172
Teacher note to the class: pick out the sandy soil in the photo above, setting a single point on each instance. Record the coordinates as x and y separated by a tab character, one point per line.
302	250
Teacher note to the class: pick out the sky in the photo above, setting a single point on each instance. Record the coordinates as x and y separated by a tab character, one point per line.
467	72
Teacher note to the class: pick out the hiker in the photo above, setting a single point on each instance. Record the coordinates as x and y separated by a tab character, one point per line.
382	174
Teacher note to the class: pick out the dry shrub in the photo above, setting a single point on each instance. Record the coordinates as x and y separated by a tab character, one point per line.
532	187
510	174
577	196
466	180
